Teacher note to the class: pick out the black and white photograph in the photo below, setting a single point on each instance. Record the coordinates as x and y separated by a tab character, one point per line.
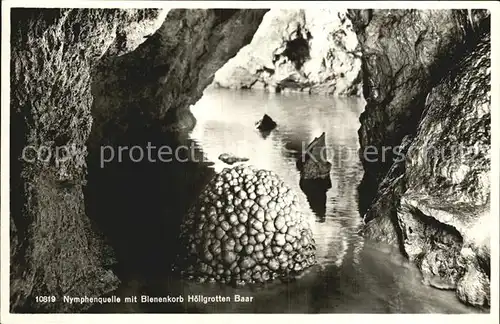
249	158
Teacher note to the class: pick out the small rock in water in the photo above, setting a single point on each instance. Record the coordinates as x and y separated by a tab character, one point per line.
266	124
231	159
313	163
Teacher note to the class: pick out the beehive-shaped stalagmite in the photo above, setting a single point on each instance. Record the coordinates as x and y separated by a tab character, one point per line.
245	227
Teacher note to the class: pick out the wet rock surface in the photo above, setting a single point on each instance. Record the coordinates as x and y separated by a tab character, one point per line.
405	53
266	124
245	228
55	250
231	158
307	50
315	191
313	162
430	100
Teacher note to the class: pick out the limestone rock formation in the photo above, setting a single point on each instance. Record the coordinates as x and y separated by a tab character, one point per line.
448	181
245	227
311	50
231	158
153	86
55	250
430	102
315	191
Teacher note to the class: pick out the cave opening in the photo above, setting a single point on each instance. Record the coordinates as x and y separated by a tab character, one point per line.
297	51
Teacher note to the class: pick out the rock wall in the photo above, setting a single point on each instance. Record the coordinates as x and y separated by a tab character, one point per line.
311	50
427	91
154	85
55	250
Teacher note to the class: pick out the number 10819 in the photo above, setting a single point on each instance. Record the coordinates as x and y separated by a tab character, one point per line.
45	299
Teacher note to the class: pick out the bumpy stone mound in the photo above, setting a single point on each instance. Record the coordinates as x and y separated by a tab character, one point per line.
245	228
434	203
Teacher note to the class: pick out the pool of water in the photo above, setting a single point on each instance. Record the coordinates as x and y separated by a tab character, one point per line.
352	275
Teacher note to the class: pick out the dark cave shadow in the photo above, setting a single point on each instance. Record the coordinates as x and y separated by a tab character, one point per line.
315	191
138	206
366	191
